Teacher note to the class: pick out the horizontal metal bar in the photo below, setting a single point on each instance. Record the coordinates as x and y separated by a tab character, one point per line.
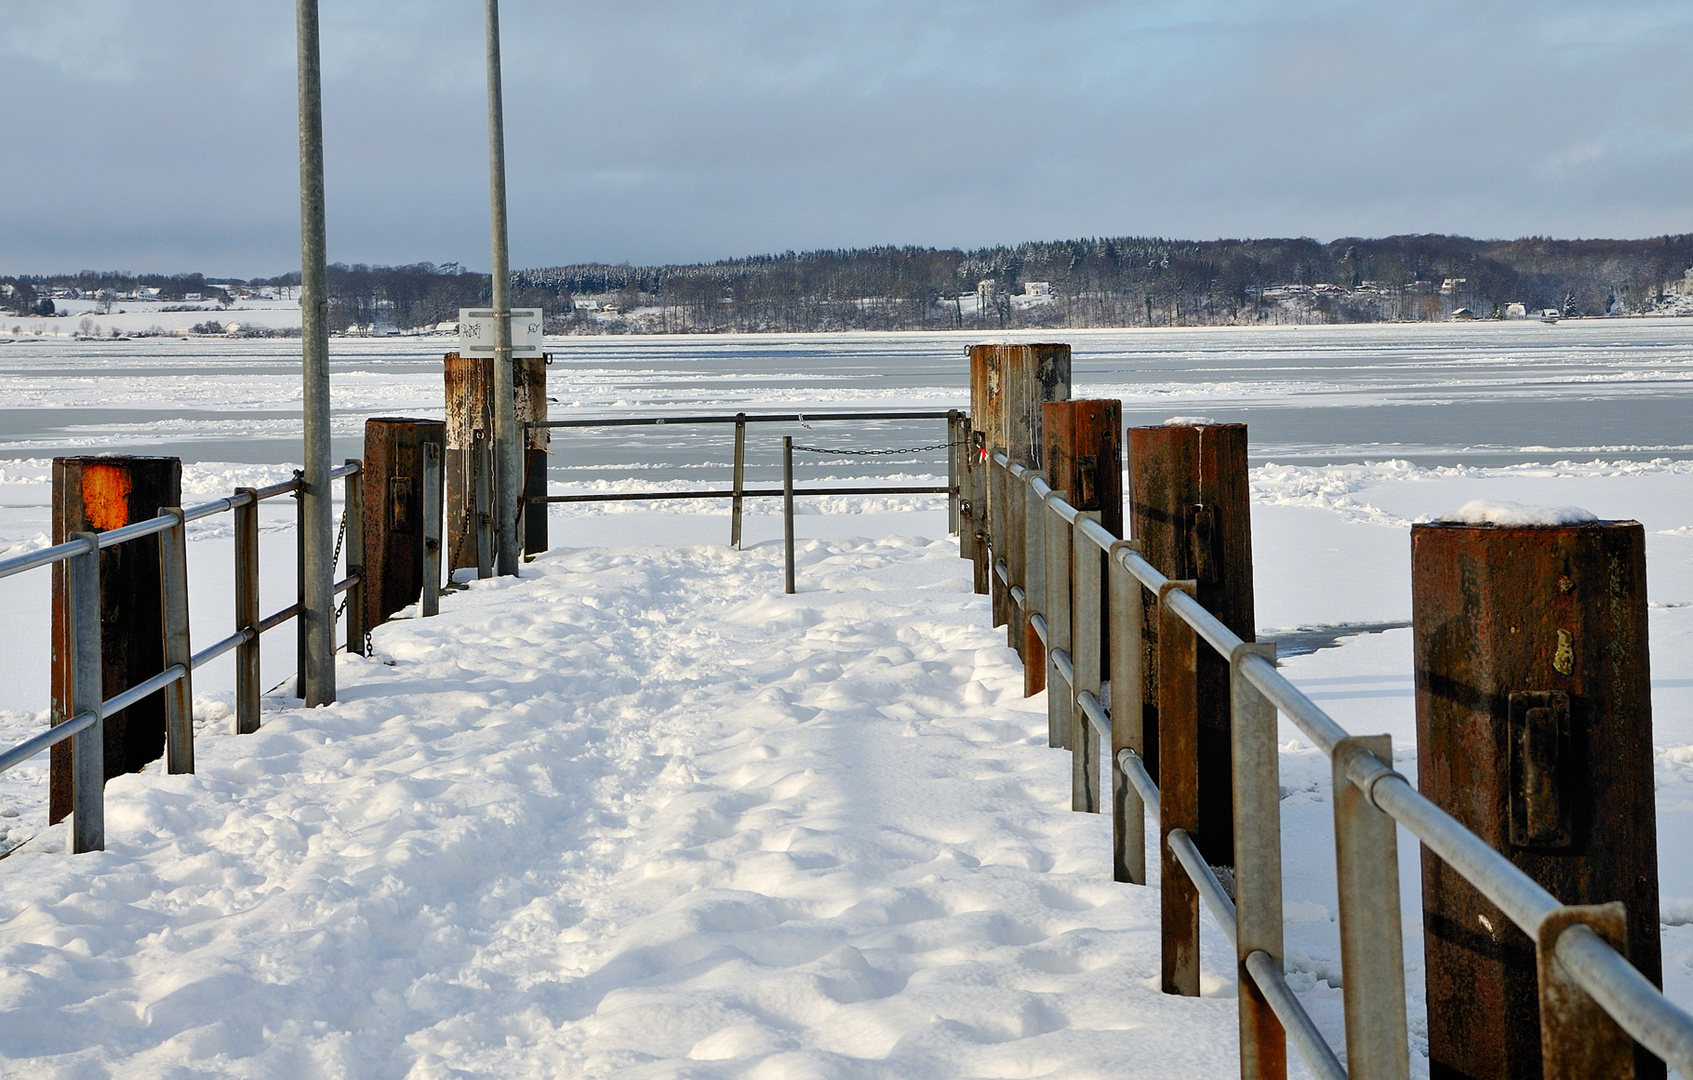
1066	669
1099	534
1210	889
1188	608
279	618
1318	1055
1000	569
1062	508
1019	595
1042	488
346	583
751	418
35	744
1096	714
1135	769
1624	993
286	487
144	689
17	564
1317	725
1516	894
212	652
1018	472
660	496
216	506
351	468
1144	572
1038	621
114	537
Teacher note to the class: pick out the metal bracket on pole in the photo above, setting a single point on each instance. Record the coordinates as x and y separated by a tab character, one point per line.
1178	789
353	506
247	688
1085	655
740	480
788	514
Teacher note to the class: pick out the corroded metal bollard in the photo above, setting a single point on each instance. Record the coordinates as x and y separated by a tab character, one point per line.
1008	386
394	525
469	390
97	494
1189	509
1534	729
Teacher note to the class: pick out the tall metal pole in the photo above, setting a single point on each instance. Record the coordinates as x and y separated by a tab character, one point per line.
317	538
508	468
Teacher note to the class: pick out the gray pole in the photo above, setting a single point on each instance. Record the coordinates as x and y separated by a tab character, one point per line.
317	538
508	468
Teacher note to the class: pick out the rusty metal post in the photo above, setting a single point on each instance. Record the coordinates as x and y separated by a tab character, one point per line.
1258	870
466	379
1016	561
1128	811
393	512
173	612
1086	661
976	516
1059	699
1178	792
1034	589
1372	950
95	495
352	492
247	688
1534	730
430	604
1189	506
84	682
1084	456
300	586
739	481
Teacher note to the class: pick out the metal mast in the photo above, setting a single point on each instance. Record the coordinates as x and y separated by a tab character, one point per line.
317	539
508	465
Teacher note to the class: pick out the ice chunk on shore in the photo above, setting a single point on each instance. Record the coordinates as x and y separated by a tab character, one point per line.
1188	421
1487	512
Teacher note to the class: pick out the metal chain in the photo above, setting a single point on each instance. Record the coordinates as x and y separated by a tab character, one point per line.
340	535
876	453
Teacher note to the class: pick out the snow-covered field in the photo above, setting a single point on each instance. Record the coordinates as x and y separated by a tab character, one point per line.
639	814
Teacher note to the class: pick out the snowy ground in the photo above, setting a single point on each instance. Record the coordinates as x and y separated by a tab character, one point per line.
639	814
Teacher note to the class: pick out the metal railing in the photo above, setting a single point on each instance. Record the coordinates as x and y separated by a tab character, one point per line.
86	710
1048	559
738	491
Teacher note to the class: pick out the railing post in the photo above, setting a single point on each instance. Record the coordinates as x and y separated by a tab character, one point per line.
1085	661
352	505
976	516
1578	1039
1258	869
247	688
88	757
1058	699
482	462
998	477
432	492
740	480
788	514
1016	561
300	586
1034	589
173	607
952	525
1128	812
1178	790
1372	950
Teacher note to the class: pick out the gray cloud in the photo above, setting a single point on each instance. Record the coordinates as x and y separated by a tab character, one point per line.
162	135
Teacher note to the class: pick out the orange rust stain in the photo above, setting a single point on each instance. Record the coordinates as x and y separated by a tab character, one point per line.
105	496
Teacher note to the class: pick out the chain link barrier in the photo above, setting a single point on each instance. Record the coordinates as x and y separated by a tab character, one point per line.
876	453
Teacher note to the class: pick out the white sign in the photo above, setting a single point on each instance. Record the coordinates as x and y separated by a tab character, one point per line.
476	331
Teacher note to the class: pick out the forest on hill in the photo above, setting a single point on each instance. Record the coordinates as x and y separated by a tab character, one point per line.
1107	282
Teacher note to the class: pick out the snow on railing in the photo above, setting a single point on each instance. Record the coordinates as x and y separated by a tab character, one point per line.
1061	554
84	726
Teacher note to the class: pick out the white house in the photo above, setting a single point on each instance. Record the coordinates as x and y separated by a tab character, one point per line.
1516	311
1037	288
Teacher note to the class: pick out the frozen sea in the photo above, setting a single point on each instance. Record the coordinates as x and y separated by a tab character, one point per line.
641	815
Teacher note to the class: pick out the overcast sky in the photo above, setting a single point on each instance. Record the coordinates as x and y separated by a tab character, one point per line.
161	134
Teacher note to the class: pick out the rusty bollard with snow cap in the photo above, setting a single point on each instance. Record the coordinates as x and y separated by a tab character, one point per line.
1534	729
